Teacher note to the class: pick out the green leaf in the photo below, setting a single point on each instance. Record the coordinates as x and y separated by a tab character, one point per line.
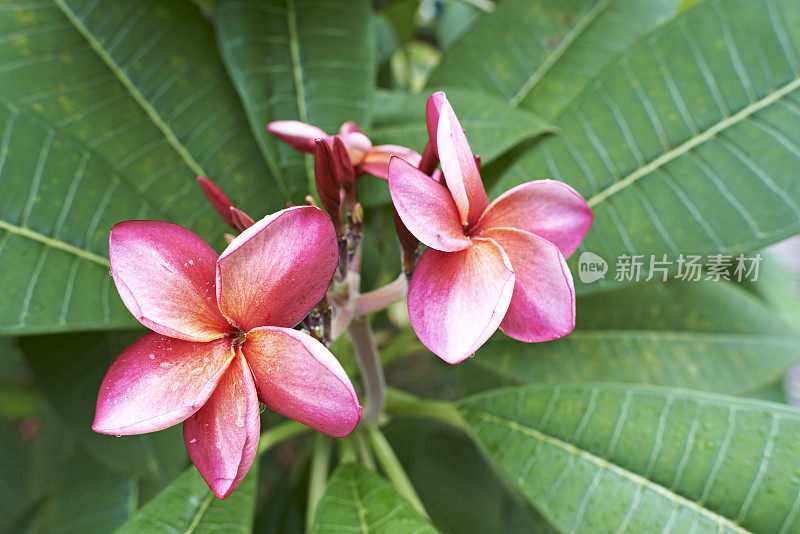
88	497
142	86
69	369
299	59
358	500
688	143
710	336
58	201
610	458
493	127
459	488
539	55
188	506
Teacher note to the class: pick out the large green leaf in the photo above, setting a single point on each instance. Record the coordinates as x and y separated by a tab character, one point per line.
358	500
710	336
299	59
697	156
88	497
613	458
492	125
57	203
460	491
187	506
141	84
69	369
540	54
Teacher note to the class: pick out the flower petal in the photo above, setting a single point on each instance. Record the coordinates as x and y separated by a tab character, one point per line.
299	378
543	305
277	270
432	110
377	161
165	276
298	134
426	207
358	146
222	437
349	127
547	208
218	199
456	300
158	382
459	168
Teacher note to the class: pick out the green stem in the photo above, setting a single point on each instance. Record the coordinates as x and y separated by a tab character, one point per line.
279	433
371	371
347	450
407	405
318	478
364	452
394	469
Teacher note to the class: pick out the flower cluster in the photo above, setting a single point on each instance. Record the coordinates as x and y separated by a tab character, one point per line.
224	337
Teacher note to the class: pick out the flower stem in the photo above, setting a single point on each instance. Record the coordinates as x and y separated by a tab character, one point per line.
367	352
279	433
318	478
382	297
408	405
394	469
364	452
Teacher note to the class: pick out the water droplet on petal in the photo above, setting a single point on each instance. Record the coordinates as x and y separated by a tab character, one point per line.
165	365
193	440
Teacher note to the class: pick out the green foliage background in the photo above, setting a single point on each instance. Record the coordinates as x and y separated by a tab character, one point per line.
678	121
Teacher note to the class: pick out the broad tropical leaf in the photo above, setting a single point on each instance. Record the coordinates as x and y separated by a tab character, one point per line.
492	125
69	369
58	201
302	60
610	458
710	336
358	500
141	85
188	506
538	55
705	165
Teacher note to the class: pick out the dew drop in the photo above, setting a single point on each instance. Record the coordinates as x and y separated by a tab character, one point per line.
165	365
193	440
152	356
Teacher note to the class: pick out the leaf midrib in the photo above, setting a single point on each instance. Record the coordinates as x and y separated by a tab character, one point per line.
695	141
151	112
55	243
607	465
558	52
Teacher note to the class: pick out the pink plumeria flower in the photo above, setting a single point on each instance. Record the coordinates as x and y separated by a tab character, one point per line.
364	157
222	338
487	265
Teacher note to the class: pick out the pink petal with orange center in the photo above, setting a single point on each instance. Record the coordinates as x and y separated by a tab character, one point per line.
165	275
277	270
298	377
456	300
425	207
543	305
377	161
222	437
548	208
459	167
158	382
298	134
358	146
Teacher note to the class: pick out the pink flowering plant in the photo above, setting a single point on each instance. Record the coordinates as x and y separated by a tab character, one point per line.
451	266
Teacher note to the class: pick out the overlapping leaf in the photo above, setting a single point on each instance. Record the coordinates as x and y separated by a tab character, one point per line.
614	458
358	500
299	59
492	125
188	506
539	55
698	155
709	336
141	84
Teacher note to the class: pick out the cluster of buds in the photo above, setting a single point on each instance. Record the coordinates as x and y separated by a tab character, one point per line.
225	334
